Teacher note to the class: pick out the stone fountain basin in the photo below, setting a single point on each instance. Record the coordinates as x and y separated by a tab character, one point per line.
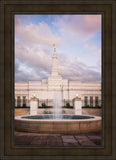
65	126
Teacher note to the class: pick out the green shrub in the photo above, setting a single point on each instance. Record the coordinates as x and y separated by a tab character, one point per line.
47	112
45	106
63	112
22	107
91	106
69	107
50	112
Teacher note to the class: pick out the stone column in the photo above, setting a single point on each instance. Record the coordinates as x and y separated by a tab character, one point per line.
78	105
15	101
26	101
21	101
33	106
93	101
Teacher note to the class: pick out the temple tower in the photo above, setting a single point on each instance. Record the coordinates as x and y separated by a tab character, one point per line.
54	63
54	80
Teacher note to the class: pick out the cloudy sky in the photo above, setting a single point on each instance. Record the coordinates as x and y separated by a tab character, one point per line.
78	46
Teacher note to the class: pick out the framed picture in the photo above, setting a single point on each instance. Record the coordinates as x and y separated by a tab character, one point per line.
57	80
61	88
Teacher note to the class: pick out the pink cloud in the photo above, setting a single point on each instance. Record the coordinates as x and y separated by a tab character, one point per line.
93	22
79	26
40	33
35	64
33	55
31	52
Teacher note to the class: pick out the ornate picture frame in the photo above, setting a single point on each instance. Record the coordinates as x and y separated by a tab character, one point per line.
8	10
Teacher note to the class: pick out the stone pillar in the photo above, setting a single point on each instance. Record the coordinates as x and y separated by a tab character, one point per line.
93	101
88	100
33	106
78	105
21	101
27	102
16	102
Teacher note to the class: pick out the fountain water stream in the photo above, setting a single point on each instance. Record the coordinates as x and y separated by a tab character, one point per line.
57	107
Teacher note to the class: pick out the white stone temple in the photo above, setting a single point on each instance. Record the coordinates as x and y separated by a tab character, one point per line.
89	92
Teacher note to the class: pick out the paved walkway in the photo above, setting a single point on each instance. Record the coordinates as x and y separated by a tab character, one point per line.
92	139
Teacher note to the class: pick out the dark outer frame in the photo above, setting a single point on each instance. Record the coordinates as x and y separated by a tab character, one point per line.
108	10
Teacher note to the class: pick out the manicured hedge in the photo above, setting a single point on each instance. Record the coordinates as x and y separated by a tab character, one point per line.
45	107
22	107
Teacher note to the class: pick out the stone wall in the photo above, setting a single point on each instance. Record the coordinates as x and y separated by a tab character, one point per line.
21	111
92	111
65	110
87	111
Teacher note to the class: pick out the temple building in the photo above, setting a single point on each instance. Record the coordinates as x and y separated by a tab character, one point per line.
44	90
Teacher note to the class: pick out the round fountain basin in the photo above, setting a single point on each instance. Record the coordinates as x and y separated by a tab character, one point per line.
69	124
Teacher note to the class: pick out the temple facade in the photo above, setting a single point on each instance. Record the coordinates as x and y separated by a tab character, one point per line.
44	90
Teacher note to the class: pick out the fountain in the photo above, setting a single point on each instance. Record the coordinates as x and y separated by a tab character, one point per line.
58	123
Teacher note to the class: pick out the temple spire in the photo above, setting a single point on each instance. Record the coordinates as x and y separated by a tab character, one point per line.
54	48
54	63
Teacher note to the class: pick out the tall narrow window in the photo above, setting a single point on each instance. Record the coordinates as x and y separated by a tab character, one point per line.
24	101
86	100
91	101
18	101
96	101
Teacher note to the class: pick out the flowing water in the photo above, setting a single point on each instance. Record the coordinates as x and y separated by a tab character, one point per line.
57	107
